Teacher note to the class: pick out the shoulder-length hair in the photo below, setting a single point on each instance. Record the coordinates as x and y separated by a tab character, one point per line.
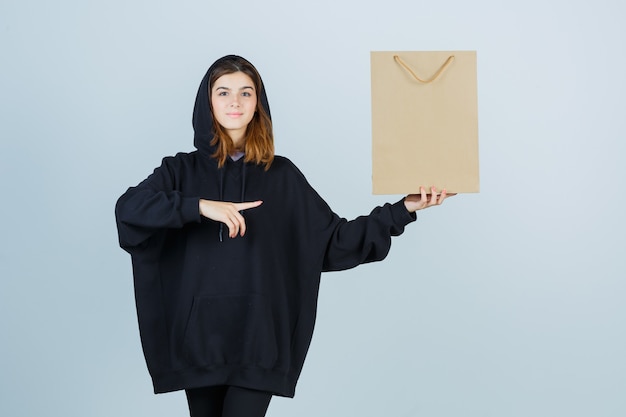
259	138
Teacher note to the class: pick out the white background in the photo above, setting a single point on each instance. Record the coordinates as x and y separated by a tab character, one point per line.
510	302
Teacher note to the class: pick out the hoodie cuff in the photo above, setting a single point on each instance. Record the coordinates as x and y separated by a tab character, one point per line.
190	210
401	215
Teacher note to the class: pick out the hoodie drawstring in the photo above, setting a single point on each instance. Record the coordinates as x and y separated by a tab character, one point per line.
221	199
221	195
243	182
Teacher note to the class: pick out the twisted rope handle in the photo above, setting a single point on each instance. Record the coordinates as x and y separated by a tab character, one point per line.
433	78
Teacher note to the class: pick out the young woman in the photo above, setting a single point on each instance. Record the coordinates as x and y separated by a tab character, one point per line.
228	244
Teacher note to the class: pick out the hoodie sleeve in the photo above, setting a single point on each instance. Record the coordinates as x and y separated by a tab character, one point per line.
366	238
153	205
340	243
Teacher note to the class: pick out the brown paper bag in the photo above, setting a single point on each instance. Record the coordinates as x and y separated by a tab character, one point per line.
424	122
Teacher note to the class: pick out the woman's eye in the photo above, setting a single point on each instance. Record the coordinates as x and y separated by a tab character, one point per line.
222	93
246	94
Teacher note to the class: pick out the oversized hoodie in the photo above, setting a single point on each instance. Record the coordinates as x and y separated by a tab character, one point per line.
214	310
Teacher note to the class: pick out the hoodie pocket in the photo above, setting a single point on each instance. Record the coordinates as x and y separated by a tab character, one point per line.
233	329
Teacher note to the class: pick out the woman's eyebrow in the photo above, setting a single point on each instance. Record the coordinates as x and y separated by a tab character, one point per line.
242	88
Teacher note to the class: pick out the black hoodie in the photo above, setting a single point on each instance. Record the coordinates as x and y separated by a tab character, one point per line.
236	311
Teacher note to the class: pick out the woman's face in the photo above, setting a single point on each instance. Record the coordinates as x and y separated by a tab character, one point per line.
234	98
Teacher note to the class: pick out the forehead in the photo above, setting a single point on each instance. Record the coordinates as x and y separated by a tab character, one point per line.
235	80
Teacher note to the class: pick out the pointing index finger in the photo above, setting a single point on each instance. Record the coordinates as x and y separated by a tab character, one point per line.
248	205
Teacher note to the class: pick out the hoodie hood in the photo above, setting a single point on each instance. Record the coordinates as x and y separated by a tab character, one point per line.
203	117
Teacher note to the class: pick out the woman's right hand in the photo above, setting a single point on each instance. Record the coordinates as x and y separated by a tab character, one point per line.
228	213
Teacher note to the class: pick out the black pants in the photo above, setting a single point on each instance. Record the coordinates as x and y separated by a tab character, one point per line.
227	401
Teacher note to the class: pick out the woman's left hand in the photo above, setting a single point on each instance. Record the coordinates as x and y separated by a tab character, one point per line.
414	202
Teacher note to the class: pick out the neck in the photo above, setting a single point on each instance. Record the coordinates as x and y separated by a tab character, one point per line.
238	139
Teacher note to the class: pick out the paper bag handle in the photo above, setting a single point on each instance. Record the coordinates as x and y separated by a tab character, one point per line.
434	77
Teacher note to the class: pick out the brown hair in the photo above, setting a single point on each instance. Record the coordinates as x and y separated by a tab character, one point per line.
259	139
